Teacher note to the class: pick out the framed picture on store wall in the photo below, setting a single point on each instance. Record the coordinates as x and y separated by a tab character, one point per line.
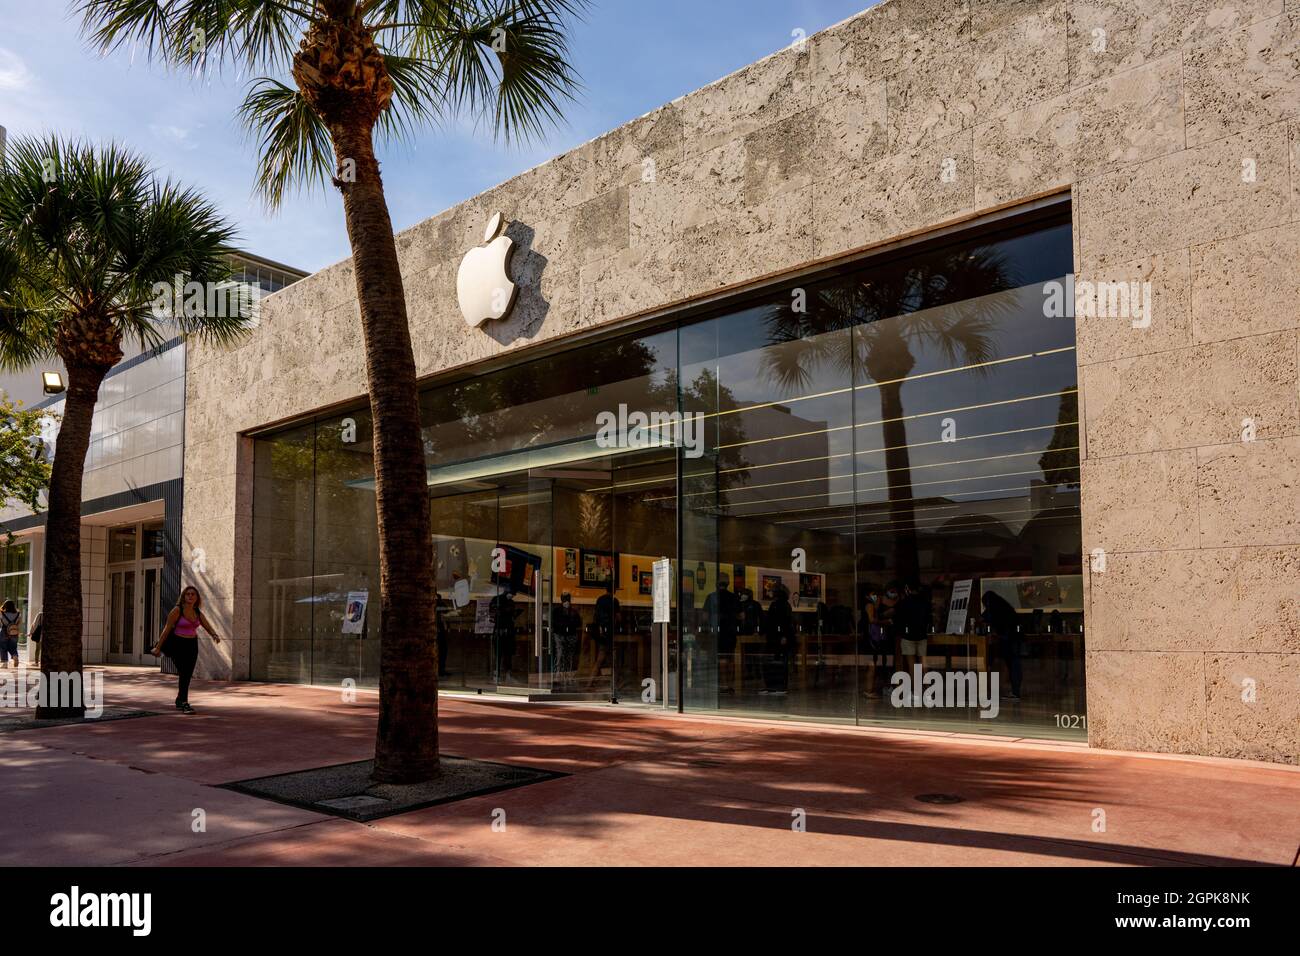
597	569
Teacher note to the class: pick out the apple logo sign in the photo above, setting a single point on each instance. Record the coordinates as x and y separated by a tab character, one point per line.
483	286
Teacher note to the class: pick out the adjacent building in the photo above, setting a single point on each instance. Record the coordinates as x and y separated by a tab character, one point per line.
131	494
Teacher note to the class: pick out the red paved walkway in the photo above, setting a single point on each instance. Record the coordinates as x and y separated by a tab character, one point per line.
642	789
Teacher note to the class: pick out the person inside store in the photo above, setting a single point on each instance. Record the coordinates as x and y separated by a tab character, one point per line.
608	616
873	644
1003	624
440	608
721	609
503	632
566	631
888	614
749	621
912	619
781	643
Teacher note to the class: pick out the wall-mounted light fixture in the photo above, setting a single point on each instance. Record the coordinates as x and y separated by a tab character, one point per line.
52	382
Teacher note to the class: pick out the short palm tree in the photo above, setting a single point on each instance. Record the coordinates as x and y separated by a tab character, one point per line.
360	69
88	238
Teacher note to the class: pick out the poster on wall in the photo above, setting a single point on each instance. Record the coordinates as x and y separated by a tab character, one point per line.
597	569
521	570
354	615
959	606
570	563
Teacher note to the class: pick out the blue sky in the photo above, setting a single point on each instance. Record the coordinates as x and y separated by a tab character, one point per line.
632	55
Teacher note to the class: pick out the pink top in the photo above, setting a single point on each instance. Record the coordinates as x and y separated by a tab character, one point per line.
185	627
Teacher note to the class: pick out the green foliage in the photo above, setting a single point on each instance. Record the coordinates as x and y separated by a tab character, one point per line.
501	63
89	232
24	470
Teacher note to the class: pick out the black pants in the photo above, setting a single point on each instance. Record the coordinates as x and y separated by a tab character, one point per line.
184	652
1011	654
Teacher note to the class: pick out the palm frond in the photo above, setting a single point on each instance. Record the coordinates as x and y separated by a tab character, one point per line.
91	233
294	145
200	35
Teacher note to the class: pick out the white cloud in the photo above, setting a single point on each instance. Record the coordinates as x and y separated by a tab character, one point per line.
170	135
14	75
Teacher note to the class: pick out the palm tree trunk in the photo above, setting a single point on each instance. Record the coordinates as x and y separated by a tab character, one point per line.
406	743
902	509
61	623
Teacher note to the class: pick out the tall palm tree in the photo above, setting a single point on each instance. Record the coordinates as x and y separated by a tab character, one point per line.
361	69
942	300
88	238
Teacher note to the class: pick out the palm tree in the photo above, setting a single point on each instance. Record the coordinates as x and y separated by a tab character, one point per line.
943	300
88	238
361	68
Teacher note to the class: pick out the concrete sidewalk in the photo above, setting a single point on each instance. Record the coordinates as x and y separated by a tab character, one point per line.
642	788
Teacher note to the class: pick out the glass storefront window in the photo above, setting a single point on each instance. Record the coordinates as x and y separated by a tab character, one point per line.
121	544
887	492
15	556
283	587
154	541
16	579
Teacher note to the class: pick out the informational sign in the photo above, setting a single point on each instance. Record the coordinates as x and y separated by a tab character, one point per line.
959	606
662	573
483	616
354	617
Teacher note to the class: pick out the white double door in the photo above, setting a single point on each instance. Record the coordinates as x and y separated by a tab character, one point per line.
133	610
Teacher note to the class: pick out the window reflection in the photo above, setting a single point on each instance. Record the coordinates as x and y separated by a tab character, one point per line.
889	488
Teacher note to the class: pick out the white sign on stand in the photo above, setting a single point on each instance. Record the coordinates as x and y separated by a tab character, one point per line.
662	582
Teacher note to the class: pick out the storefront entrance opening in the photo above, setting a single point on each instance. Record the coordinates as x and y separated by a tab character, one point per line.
563	608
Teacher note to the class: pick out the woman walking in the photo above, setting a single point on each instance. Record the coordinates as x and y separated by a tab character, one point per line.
181	637
9	631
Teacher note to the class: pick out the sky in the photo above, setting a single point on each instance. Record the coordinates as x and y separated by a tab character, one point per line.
631	56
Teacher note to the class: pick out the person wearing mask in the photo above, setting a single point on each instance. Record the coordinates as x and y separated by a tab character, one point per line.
749	621
180	641
503	633
606	624
913	618
721	609
440	630
873	641
10	628
1003	622
566	629
888	614
781	643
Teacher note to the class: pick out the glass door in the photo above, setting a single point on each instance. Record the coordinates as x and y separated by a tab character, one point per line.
122	619
151	611
493	556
